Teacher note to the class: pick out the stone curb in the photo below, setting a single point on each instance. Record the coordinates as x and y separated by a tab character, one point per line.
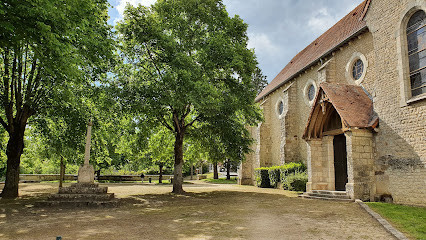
389	228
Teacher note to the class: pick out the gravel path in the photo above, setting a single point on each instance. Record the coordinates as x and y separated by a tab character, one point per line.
208	211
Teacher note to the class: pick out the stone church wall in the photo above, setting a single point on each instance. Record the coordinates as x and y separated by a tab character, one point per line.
401	134
400	143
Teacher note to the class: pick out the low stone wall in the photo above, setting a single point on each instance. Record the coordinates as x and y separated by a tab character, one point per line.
70	177
45	177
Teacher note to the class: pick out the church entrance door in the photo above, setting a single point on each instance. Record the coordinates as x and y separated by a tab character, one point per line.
340	162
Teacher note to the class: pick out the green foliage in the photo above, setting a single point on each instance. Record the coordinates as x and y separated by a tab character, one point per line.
274	175
295	181
259	80
3	157
408	219
277	174
186	63
290	168
160	148
112	171
262	177
220	181
48	50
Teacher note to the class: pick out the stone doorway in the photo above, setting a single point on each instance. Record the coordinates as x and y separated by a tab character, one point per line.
340	162
340	141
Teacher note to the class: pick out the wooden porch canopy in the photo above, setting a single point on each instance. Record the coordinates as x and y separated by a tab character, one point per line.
339	108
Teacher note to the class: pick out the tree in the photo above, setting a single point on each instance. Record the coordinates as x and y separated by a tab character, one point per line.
194	153
46	48
187	61
259	80
160	149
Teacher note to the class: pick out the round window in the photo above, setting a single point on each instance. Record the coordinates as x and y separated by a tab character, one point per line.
280	108
357	69
311	92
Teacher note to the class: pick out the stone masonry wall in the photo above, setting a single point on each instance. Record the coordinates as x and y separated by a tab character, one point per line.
401	134
402	130
360	164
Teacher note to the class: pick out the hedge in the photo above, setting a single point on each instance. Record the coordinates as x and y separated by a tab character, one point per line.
296	181
290	168
274	175
268	177
262	177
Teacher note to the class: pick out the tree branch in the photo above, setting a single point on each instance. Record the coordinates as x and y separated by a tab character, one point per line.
188	110
18	94
4	124
12	83
25	65
176	122
164	123
6	77
193	121
153	62
31	78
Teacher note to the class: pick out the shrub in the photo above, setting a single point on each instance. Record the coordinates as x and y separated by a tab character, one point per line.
262	177
296	181
274	175
290	168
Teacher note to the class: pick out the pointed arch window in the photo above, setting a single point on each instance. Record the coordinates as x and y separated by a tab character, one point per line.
416	39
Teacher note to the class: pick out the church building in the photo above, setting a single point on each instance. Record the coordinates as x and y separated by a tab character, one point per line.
352	107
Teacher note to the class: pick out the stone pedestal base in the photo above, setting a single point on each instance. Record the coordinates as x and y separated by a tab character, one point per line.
86	174
81	195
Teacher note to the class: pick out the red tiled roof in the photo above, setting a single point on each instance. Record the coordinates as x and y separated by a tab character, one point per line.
351	102
346	28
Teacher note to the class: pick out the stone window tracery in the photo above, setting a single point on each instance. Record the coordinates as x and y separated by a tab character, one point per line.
311	92
416	41
280	108
357	69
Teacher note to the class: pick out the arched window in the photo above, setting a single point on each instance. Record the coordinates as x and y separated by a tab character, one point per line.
416	39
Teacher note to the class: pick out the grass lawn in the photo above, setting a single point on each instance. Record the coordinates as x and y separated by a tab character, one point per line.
221	181
410	220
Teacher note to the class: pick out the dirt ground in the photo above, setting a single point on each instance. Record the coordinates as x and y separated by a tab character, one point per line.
208	211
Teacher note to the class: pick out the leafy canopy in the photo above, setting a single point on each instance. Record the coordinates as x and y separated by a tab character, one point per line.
188	61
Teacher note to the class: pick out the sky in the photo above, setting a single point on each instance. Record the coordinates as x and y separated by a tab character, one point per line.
278	29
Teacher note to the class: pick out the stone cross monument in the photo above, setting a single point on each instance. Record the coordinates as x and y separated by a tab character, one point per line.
86	173
85	192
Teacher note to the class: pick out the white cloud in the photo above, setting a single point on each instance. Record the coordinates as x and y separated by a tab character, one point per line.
321	21
122	4
262	44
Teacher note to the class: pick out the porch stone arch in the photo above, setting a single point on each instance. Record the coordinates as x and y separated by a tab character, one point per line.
341	110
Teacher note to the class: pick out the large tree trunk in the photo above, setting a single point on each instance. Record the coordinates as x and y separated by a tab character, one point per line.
15	147
178	178
160	177
228	170
215	173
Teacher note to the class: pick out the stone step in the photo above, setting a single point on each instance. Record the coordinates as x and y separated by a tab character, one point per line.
85	185
328	195
49	203
81	197
329	192
326	198
82	190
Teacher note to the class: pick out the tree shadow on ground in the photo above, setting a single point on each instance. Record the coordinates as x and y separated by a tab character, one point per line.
205	215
